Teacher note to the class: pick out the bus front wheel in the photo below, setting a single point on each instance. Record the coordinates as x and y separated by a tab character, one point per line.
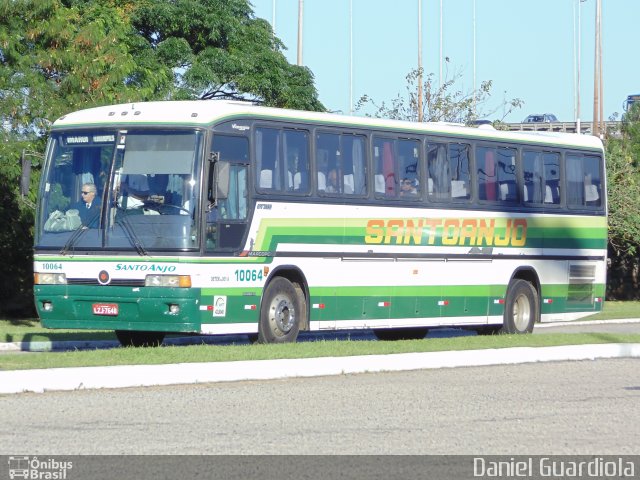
281	312
521	307
130	338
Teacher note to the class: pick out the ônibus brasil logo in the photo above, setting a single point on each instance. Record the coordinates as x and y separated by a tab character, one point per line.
35	468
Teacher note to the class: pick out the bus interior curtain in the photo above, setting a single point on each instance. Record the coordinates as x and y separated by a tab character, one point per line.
242	192
388	169
575	181
232	198
259	150
442	174
277	162
284	161
490	173
538	180
358	166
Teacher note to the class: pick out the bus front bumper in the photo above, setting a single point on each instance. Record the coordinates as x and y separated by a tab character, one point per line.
118	308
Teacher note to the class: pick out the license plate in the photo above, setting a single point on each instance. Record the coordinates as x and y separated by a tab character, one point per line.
105	309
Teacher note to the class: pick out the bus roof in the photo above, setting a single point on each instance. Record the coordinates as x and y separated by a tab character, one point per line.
204	113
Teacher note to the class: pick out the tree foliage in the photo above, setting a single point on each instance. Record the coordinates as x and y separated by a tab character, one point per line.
623	172
62	55
623	177
445	102
217	49
58	56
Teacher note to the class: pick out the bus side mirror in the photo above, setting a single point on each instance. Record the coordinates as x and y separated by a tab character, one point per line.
25	179
222	180
218	179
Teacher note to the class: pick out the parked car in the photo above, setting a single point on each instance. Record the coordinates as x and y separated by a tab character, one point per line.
541	118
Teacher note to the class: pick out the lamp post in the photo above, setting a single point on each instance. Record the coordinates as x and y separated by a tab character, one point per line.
577	65
273	17
474	58
300	17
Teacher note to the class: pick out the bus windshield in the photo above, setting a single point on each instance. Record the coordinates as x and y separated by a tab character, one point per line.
120	191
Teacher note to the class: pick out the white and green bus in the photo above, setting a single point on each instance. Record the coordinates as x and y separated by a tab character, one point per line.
219	217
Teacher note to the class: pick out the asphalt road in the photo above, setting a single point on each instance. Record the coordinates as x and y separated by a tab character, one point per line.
560	408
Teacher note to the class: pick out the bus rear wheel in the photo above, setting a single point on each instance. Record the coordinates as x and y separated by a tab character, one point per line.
522	308
132	338
391	334
281	312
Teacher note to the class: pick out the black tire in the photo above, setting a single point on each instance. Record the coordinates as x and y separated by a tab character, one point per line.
522	308
131	338
304	320
392	334
282	312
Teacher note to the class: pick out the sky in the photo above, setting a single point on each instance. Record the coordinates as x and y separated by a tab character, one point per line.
527	48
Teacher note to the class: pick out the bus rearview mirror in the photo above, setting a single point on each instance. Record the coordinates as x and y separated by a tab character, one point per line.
222	180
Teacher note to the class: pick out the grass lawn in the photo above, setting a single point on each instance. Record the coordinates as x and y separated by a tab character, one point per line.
321	348
615	310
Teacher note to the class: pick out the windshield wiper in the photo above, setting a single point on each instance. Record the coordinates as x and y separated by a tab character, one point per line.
73	238
129	231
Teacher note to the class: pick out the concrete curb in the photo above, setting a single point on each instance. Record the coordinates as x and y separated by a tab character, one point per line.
573	323
18	381
53	346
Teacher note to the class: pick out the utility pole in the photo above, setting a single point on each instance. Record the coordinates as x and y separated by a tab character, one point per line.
597	76
474	58
440	73
600	80
420	114
351	57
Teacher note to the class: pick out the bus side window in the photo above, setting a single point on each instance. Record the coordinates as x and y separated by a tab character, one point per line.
583	180
296	145
385	167
329	164
541	172
409	163
267	159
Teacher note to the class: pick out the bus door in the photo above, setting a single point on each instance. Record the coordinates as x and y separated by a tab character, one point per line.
228	209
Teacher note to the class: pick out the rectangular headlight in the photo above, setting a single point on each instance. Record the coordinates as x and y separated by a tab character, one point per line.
49	279
181	281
